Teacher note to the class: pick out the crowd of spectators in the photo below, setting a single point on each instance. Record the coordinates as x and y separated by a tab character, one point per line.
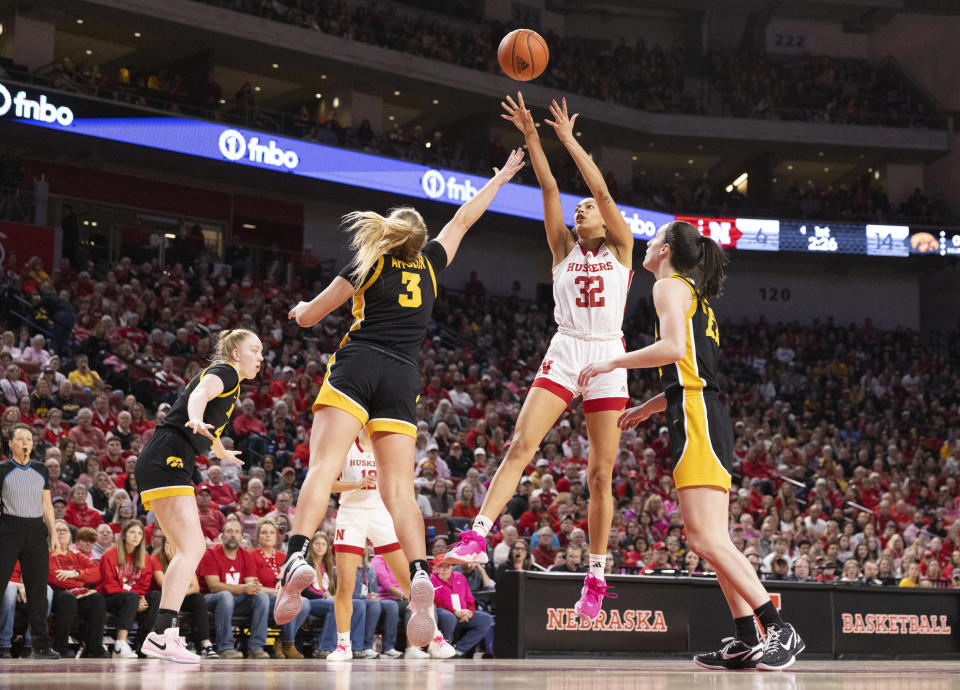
863	199
811	89
847	441
818	89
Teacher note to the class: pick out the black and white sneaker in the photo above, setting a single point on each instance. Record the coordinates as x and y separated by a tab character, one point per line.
734	655
209	652
781	645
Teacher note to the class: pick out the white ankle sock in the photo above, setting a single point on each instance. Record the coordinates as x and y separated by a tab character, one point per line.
343	638
597	564
482	525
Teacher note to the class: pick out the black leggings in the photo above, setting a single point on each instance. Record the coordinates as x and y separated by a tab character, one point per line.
196	605
92	612
124	606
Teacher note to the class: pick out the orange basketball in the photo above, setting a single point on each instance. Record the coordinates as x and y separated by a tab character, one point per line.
523	54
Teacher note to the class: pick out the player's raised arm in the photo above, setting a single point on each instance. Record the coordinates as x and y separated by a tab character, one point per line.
558	236
618	232
470	212
311	313
669	298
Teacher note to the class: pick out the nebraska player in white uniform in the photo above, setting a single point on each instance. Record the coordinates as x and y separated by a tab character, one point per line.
362	515
590	293
591	277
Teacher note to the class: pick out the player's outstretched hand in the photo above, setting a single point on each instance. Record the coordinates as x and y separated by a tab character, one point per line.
633	416
299	313
591	370
198	426
517	113
510	168
226	455
369	481
232	456
562	124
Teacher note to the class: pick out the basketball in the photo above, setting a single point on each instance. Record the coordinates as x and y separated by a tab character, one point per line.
523	54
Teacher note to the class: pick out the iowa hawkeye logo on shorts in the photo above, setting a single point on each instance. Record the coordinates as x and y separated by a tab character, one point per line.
175	462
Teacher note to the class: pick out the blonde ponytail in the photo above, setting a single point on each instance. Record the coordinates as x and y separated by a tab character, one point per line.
227	342
402	231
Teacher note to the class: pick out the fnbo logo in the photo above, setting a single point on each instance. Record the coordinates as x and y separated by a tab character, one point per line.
234	146
41	110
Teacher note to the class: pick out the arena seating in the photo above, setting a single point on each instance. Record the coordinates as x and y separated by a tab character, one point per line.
859	421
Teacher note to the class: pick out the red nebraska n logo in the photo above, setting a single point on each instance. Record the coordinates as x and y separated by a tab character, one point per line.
339	535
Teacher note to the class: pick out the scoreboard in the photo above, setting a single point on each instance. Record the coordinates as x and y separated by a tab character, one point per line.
827	237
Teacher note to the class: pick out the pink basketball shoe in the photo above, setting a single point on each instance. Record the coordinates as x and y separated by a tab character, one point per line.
295	576
472	548
169	646
591	597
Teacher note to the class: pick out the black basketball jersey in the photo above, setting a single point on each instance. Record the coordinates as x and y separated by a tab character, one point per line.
698	368
217	412
393	305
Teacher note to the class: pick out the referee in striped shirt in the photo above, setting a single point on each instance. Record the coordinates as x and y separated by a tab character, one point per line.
27	532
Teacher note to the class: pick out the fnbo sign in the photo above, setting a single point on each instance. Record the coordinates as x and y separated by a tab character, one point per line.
39	110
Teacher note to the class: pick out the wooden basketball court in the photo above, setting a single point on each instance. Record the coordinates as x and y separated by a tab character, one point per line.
509	674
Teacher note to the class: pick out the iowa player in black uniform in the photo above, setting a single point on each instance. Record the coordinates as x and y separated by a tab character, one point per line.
373	381
689	270
165	470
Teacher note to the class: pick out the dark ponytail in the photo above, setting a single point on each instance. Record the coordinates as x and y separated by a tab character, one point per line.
691	252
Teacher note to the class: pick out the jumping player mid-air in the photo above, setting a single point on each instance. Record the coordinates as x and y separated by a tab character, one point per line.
165	469
591	278
689	269
373	381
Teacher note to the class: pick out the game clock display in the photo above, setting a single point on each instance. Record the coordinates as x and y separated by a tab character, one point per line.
823	237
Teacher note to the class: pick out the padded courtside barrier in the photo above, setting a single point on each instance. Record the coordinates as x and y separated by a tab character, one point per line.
664	616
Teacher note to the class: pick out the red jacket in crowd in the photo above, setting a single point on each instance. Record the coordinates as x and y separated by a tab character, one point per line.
89	571
222	494
244	425
84	516
115	579
211	521
268	569
105	424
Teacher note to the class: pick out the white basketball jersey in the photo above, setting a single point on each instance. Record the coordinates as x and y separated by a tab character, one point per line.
590	292
359	464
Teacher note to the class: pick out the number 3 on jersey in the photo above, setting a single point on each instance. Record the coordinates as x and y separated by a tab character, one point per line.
590	289
412	298
712	330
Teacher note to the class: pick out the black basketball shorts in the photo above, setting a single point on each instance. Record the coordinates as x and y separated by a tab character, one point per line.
165	466
378	388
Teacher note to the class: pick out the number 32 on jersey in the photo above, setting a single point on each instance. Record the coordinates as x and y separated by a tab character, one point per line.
591	289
